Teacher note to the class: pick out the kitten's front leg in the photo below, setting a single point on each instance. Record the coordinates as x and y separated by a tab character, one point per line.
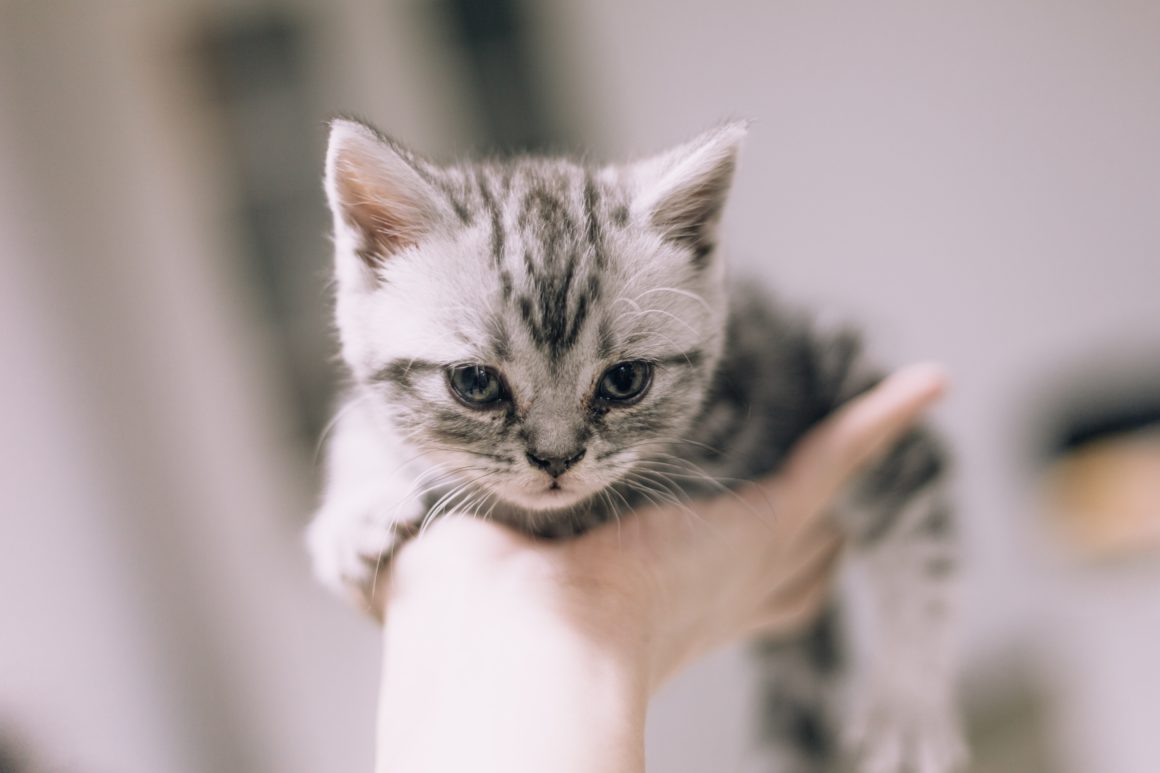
372	499
902	714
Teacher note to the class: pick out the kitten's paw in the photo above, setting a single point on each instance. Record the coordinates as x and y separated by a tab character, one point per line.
347	551
892	734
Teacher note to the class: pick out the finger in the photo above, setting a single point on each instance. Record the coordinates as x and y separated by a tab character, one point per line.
865	426
792	607
794	571
797	587
807	574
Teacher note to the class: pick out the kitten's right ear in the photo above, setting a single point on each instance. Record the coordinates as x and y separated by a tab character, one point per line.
682	192
379	194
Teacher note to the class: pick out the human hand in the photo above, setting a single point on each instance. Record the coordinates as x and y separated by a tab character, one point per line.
512	645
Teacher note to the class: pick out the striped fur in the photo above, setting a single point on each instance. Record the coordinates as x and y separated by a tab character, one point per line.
549	272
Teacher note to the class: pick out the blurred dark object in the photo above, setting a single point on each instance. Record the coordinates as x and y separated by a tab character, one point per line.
257	68
1102	486
497	52
1097	423
12	760
1008	724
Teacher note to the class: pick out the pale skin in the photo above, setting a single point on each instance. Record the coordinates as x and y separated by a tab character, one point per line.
503	653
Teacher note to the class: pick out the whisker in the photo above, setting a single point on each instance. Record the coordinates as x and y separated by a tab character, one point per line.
696	473
445	502
668	314
677	291
607	499
685	440
650	493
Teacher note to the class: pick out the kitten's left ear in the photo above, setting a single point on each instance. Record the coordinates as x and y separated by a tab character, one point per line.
380	195
683	190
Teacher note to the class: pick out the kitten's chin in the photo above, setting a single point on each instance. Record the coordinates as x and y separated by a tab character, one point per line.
547	499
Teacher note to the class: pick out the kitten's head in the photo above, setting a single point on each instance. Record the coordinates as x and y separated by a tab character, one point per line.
536	326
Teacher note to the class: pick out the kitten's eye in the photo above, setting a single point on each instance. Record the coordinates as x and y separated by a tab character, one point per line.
625	381
476	385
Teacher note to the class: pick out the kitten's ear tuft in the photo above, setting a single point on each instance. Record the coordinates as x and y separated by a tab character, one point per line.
683	190
379	192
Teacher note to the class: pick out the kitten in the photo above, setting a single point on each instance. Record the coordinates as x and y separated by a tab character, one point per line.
547	343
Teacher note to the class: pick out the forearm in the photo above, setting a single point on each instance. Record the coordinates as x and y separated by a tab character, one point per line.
503	673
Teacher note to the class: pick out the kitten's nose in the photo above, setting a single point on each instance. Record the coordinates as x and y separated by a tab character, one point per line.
555	465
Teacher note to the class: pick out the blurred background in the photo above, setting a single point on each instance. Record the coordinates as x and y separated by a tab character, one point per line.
977	183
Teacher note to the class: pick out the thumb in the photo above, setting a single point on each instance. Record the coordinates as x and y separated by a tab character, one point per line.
863	428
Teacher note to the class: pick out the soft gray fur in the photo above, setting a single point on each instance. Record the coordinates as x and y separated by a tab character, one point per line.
575	285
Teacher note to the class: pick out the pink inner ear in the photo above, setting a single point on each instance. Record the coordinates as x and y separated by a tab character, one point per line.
689	214
686	187
698	203
383	216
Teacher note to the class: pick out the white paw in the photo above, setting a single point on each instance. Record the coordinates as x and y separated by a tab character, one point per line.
348	548
890	733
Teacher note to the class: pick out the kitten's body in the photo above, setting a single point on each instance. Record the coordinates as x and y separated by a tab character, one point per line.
553	275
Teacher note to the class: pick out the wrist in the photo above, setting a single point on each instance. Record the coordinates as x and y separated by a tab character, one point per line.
513	648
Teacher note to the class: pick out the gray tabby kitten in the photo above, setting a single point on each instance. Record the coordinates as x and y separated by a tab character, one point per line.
547	343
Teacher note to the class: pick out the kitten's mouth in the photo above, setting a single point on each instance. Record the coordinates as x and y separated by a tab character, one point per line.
554	492
548	495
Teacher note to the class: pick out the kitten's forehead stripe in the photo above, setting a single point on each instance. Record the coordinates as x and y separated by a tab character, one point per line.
557	225
543	214
620	215
501	344
591	205
496	219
